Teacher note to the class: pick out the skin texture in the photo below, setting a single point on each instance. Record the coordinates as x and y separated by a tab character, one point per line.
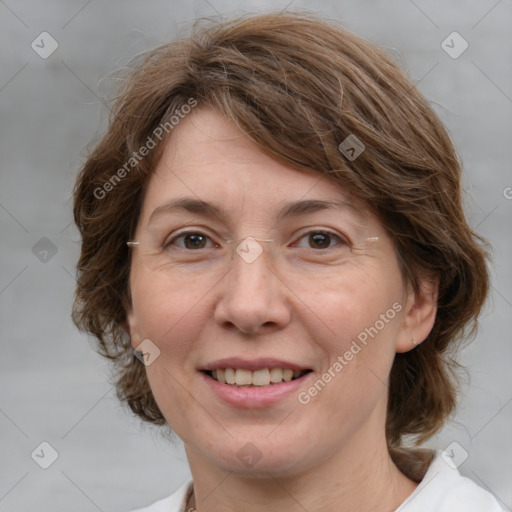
288	304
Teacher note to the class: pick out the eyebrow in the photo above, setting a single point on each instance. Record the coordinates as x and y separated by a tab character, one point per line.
293	209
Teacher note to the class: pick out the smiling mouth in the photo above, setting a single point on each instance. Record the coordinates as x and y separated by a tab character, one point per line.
240	377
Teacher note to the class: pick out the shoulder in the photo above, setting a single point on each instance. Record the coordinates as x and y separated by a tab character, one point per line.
444	489
176	502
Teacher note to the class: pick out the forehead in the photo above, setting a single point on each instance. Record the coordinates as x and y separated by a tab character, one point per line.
207	159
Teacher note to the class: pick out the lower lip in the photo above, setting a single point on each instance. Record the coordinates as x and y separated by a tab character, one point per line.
253	397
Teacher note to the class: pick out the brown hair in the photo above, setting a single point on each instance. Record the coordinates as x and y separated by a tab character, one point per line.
298	87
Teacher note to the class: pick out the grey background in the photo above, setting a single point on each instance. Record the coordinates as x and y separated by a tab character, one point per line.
53	387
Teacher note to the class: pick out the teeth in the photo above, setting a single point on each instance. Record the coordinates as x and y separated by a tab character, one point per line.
230	376
243	377
287	374
276	375
263	377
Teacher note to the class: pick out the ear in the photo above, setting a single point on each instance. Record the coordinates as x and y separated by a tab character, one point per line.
419	315
132	328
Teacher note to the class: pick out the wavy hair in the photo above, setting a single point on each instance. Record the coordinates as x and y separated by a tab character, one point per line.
297	86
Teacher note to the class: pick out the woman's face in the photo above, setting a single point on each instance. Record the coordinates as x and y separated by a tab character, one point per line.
322	303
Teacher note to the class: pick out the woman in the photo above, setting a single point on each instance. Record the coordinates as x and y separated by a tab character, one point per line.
273	225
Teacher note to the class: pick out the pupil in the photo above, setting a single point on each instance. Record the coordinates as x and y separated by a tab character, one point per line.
194	241
319	240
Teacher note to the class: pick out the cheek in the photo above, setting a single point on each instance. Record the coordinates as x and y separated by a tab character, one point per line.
173	321
358	318
346	306
358	348
169	313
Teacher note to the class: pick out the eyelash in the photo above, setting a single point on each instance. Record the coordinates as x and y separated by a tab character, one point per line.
341	240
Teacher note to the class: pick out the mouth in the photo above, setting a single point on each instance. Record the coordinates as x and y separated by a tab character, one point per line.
263	377
254	384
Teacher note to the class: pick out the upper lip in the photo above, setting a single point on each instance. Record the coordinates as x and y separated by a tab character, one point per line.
253	365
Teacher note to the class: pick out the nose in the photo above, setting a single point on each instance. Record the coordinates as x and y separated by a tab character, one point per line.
253	298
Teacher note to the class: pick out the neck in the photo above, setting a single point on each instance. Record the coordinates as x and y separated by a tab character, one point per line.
362	480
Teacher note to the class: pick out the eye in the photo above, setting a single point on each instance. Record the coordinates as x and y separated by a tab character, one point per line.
190	240
321	240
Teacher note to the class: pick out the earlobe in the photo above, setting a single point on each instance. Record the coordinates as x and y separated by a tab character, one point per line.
131	323
420	315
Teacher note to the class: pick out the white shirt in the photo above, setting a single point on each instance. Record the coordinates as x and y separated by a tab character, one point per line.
443	489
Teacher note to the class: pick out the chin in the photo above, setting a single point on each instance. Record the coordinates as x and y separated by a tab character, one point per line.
259	458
